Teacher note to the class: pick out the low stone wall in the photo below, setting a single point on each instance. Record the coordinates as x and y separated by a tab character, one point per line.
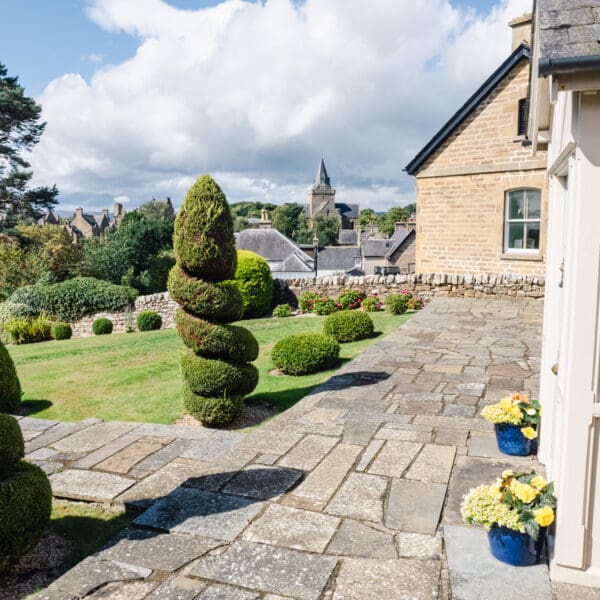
428	285
125	320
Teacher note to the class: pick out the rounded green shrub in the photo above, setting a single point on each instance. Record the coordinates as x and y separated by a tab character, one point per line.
102	326
220	301
62	331
213	412
15	310
213	377
148	320
304	353
25	506
396	304
255	281
229	342
348	326
10	388
12	446
282	310
203	237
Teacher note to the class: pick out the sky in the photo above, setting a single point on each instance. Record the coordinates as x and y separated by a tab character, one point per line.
142	96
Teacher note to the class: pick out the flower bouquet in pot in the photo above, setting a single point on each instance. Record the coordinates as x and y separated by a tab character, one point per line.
516	511
516	419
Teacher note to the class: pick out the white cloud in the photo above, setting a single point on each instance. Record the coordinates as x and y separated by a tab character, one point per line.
255	93
92	58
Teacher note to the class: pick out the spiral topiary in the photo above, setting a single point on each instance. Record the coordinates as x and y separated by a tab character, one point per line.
25	497
10	388
216	369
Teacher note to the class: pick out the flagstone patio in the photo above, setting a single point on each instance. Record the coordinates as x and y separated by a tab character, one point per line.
354	493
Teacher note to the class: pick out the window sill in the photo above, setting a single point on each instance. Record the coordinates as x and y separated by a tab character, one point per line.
534	256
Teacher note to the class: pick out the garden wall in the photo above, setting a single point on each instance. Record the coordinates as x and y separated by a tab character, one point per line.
160	303
427	286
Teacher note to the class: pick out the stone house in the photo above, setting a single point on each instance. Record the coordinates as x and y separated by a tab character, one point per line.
381	256
93	225
481	195
565	118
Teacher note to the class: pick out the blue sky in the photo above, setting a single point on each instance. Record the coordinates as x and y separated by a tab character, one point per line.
142	126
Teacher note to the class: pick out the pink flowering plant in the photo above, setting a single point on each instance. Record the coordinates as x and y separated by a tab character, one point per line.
350	299
372	304
307	301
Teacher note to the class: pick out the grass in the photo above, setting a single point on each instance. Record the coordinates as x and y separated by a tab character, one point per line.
86	526
135	377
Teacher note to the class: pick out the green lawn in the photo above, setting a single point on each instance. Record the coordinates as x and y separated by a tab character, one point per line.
135	376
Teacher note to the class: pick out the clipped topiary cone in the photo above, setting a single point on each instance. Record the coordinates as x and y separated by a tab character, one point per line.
25	497
10	388
217	372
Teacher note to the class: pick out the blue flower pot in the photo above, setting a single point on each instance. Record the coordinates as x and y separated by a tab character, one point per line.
515	548
512	441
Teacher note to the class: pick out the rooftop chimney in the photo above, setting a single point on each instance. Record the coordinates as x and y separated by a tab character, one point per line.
105	212
79	212
521	31
264	215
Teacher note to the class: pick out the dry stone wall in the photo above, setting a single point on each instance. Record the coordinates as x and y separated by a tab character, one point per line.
125	320
427	286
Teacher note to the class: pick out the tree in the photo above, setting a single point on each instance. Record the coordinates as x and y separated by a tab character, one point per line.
290	220
250	209
327	230
20	130
366	218
157	209
387	222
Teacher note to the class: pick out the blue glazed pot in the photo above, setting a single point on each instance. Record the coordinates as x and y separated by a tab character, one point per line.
512	441
515	548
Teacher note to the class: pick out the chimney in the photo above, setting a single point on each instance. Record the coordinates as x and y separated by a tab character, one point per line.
264	215
118	209
79	212
521	31
399	225
105	213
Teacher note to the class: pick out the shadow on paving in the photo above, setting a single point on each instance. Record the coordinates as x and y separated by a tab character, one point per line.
32	407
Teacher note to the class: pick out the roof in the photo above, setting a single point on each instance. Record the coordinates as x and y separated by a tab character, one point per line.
280	252
569	35
348	210
348	237
334	258
372	248
322	179
520	53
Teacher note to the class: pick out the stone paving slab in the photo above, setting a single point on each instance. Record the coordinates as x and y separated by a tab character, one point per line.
92	486
360	497
476	574
354	538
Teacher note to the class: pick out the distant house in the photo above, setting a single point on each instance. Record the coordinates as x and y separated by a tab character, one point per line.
285	258
389	256
85	225
48	219
339	260
481	196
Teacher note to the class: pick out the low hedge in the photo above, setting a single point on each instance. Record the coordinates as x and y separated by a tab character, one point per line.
282	310
74	298
304	353
255	281
211	377
213	412
25	506
148	320
62	331
397	304
102	326
220	302
229	342
348	326
10	388
12	446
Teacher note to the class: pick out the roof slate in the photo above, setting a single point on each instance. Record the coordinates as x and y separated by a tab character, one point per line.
568	29
338	259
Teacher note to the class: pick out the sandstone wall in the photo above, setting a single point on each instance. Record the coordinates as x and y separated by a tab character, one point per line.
124	320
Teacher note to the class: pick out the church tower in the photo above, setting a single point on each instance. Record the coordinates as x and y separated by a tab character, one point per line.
321	198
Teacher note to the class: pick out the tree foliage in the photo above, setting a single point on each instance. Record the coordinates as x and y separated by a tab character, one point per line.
290	219
327	230
20	130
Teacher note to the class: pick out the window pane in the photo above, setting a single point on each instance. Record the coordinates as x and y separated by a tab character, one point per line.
533	236
533	204
516	204
515	235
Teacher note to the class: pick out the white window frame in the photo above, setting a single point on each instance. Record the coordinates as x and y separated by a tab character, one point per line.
524	222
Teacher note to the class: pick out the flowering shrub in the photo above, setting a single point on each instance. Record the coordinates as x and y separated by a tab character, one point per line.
372	304
307	300
523	502
282	310
397	304
324	306
415	303
349	299
517	409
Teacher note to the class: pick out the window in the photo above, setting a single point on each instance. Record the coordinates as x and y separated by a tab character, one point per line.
523	116
522	220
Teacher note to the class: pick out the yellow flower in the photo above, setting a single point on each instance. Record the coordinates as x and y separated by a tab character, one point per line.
529	432
539	483
523	491
506	474
505	403
515	411
544	516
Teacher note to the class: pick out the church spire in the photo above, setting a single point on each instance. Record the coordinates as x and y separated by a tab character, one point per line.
322	179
